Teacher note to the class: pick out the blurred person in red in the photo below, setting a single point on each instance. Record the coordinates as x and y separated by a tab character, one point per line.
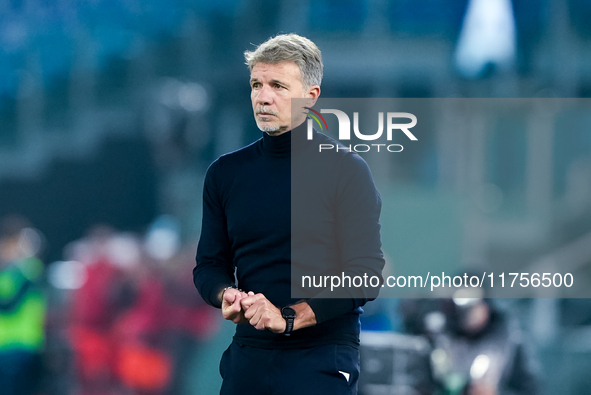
175	319
142	362
94	308
191	322
115	318
128	316
22	307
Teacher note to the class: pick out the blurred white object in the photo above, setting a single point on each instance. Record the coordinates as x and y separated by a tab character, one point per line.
67	274
487	37
435	321
479	367
163	238
30	242
189	96
123	250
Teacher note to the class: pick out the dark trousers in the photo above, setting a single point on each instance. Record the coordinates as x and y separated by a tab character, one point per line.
330	369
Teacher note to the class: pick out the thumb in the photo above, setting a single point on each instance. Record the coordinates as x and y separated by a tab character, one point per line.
236	306
228	298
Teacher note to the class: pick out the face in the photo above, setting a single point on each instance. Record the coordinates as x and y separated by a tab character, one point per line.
272	88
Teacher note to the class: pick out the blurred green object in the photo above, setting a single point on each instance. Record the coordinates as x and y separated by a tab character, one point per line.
22	307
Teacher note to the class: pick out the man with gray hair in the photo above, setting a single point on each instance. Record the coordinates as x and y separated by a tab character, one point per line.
299	62
284	345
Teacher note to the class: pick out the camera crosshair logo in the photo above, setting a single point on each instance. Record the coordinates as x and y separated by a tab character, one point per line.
316	117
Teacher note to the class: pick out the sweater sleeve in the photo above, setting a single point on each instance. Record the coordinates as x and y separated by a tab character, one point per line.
357	209
214	269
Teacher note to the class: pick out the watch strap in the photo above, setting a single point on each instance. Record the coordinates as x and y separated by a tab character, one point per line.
289	317
288	325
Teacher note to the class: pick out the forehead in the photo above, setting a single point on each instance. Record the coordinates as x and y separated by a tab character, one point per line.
279	71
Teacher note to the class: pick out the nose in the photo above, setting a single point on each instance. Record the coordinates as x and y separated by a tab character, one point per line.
265	96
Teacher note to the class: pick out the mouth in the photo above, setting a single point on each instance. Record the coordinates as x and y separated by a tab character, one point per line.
265	112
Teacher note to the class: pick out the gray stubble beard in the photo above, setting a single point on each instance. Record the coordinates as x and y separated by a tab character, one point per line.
272	130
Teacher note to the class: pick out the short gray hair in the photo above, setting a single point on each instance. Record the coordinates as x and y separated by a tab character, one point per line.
290	48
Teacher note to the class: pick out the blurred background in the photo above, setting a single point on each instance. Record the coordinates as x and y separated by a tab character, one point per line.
111	111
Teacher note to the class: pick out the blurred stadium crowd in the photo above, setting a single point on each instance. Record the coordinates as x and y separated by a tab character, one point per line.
110	112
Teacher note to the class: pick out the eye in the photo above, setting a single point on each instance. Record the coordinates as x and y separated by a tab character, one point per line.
256	85
277	86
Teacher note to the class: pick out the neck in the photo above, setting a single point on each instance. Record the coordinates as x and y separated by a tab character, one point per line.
282	144
285	129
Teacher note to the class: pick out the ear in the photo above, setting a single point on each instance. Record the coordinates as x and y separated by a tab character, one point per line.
312	95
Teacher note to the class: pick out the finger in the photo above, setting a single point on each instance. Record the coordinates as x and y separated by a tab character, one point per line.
236	306
230	296
249	301
268	319
250	312
261	325
254	320
230	315
257	316
261	317
246	303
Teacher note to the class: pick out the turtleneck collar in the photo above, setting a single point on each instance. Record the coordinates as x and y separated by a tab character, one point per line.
277	146
280	146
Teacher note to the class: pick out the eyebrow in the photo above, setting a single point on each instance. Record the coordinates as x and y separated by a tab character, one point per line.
279	82
273	81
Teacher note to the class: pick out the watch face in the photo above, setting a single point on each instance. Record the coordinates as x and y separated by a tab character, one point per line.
288	312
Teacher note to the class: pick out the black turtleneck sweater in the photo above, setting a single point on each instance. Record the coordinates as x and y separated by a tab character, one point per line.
250	227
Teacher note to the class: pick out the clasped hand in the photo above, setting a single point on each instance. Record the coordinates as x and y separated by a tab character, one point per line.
255	309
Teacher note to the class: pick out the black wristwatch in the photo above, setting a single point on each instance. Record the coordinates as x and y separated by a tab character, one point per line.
289	315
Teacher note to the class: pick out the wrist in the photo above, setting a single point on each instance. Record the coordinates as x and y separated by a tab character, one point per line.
305	316
223	291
